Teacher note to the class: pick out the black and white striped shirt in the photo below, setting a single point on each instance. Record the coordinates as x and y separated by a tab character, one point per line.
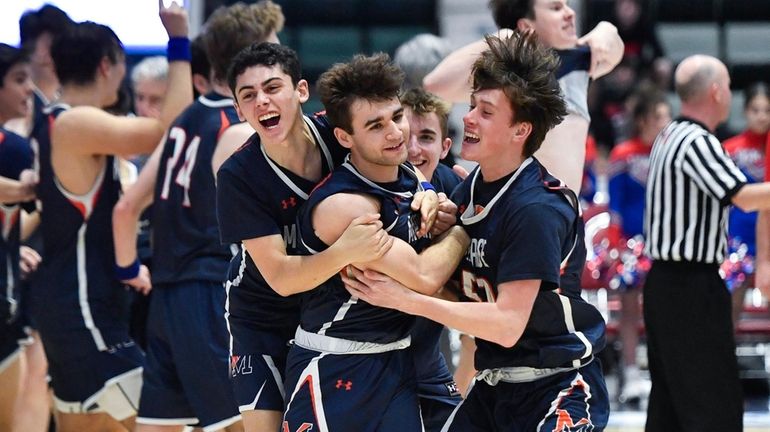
689	189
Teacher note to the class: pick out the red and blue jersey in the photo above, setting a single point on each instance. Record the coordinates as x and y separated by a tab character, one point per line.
256	197
329	309
524	226
185	235
15	156
629	166
748	151
76	295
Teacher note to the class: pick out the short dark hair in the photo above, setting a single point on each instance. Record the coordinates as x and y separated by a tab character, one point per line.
645	100
232	28
758	88
77	52
507	13
200	61
422	102
265	54
525	71
10	57
47	19
372	78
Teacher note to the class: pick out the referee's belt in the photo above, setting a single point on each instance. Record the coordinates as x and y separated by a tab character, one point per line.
522	374
333	345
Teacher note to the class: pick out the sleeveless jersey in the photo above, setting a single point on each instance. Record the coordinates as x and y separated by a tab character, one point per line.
76	289
185	234
748	152
15	156
329	309
527	226
256	197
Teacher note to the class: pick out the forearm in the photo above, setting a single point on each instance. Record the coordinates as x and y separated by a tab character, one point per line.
751	197
297	273
563	151
29	223
11	191
179	94
451	78
126	213
483	320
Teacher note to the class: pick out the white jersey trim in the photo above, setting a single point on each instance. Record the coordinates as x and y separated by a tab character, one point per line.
224	103
469	216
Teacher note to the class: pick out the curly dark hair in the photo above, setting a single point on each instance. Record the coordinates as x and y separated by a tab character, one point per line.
77	52
373	78
232	28
507	13
264	54
525	71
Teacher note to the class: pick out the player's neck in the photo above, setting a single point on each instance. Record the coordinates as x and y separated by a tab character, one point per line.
298	152
221	89
81	95
375	172
500	166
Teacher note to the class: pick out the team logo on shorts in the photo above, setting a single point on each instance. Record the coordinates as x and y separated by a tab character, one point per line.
564	423
240	365
304	427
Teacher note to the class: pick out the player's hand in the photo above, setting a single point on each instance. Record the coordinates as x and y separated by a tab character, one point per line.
364	239
447	215
460	171
29	259
141	283
427	203
375	288
606	48
174	19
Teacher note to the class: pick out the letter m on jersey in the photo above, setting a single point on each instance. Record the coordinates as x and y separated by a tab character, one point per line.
304	427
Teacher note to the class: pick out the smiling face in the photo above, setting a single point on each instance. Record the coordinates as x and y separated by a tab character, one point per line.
489	128
378	142
554	23
425	146
266	98
16	92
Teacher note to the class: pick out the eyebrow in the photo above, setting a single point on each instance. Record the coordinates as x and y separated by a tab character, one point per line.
264	83
380	118
427	131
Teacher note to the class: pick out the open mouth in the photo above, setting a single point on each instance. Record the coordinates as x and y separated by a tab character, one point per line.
395	147
471	138
269	120
418	163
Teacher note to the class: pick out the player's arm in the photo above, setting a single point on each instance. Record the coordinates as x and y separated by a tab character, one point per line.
126	213
563	151
92	131
501	322
425	272
363	239
13	191
450	79
230	141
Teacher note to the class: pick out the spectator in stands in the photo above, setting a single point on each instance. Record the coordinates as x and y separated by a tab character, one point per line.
747	149
149	81
629	165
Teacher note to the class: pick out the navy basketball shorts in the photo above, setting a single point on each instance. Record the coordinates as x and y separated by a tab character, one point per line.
257	365
573	400
351	392
186	376
438	396
88	381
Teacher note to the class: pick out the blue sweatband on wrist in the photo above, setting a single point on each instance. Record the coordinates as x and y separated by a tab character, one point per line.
129	272
178	49
427	186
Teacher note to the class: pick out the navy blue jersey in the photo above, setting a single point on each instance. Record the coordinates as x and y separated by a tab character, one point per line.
444	179
15	156
185	231
329	309
255	198
76	290
525	226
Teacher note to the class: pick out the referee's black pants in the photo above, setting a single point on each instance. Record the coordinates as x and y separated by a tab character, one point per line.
691	349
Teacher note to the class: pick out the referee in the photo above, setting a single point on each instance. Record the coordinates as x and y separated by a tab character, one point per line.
691	183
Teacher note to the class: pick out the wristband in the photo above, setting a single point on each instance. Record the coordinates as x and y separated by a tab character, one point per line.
129	272
178	49
427	186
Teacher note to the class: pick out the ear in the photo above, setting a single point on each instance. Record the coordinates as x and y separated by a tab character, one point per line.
525	25
238	111
446	144
521	131
304	91
201	83
343	137
104	66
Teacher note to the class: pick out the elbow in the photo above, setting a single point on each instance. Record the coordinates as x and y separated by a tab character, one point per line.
507	340
123	211
430	83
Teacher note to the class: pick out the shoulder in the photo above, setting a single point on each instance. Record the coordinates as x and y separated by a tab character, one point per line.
735	143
